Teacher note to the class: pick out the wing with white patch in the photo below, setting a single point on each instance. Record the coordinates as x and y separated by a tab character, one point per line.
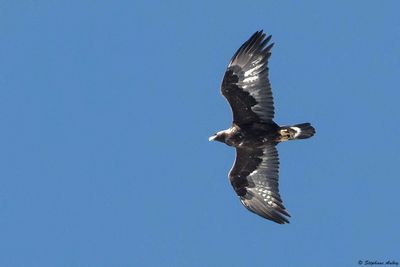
246	85
254	177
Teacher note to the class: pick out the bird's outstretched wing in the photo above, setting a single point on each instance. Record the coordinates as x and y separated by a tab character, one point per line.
246	85
254	177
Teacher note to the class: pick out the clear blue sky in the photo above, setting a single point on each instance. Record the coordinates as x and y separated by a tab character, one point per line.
106	108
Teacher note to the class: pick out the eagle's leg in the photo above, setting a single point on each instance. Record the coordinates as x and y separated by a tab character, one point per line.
285	134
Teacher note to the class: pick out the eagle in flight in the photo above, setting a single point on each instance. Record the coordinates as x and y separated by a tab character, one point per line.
254	134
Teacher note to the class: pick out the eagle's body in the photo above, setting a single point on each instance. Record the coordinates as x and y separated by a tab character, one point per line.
253	133
250	135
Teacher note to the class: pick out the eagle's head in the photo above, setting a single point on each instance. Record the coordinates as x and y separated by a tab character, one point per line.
220	137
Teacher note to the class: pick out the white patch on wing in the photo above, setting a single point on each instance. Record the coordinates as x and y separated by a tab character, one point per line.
248	82
253	172
250	71
258	175
250	79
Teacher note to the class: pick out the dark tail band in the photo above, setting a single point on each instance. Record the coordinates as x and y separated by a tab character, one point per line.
303	130
298	131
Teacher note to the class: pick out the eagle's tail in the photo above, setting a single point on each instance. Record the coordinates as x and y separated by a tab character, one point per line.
298	131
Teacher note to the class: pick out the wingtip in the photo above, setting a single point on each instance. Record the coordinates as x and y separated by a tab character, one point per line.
281	220
257	34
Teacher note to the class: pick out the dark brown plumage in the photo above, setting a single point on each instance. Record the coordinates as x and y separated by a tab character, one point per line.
254	134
